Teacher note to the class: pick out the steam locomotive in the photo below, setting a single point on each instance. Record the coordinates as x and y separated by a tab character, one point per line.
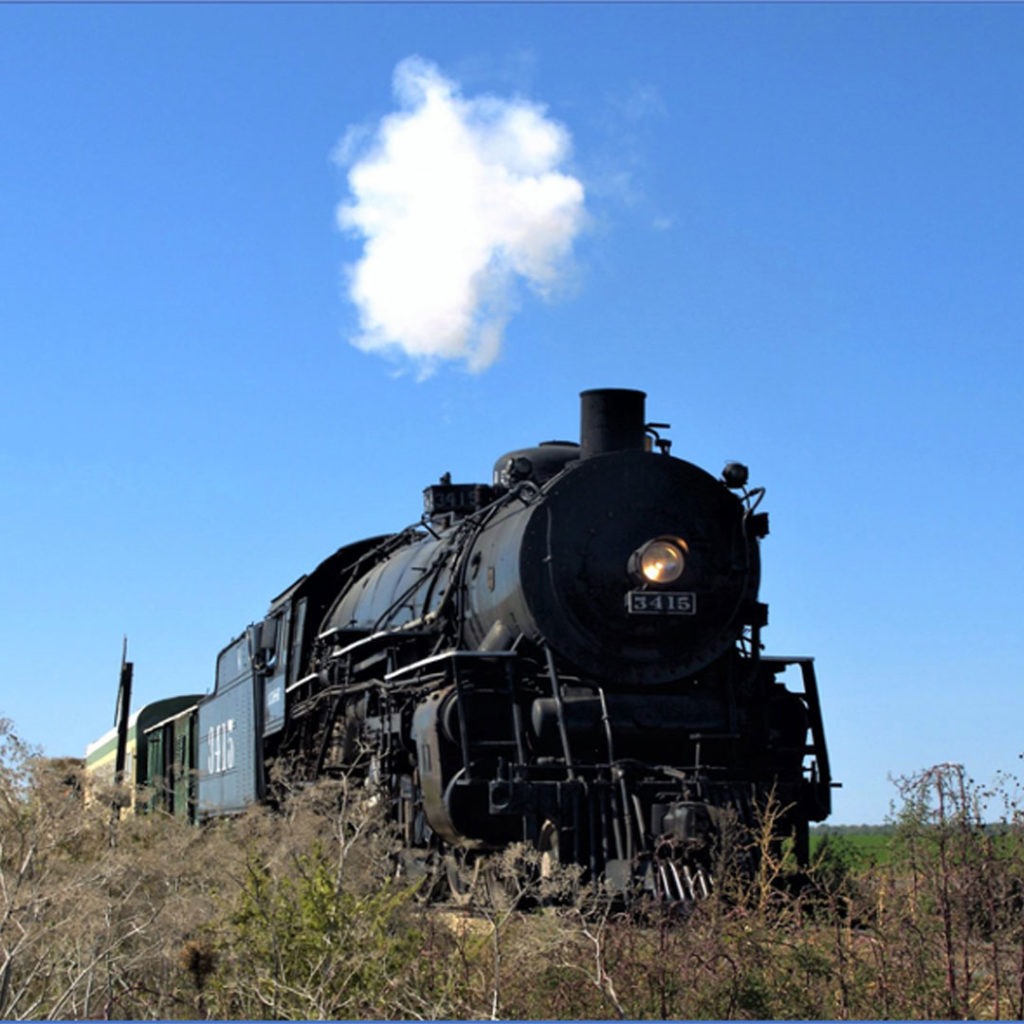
568	656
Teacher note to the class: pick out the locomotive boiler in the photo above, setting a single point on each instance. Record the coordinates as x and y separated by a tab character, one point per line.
569	655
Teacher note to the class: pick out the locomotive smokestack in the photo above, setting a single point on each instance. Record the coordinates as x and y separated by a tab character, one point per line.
611	420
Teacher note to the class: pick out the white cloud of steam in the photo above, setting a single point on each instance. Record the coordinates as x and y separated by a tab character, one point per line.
458	200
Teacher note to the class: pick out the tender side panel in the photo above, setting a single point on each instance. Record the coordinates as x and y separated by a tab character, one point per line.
227	746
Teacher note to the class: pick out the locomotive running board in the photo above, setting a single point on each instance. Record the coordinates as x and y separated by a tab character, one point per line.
445	656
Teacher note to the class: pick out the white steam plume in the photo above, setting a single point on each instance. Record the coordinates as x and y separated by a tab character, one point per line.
457	199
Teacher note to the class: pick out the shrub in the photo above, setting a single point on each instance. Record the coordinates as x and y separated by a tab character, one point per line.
304	912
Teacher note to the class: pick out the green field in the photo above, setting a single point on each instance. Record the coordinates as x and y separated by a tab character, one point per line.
868	844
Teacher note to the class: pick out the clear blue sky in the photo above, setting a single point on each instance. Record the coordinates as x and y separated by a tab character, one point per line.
801	232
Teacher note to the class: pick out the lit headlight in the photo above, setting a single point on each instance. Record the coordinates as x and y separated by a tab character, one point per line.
661	560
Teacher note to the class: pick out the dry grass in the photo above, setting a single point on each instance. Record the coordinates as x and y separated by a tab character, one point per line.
304	914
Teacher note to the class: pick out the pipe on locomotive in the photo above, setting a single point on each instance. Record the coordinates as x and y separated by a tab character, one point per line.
611	420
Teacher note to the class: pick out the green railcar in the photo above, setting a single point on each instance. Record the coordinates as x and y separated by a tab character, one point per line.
152	729
171	768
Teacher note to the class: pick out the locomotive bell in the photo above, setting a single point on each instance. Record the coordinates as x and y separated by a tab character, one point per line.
537	464
611	420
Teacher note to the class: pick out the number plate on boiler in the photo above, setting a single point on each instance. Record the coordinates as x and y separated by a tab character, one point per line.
661	602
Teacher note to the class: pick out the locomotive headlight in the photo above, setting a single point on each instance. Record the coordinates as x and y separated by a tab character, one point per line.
661	560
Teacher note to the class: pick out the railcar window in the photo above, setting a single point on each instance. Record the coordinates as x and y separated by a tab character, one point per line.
298	625
233	663
269	635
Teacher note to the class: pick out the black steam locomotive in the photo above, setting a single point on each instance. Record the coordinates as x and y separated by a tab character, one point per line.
568	656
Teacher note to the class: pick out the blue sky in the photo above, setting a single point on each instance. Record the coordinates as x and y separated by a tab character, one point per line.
801	232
